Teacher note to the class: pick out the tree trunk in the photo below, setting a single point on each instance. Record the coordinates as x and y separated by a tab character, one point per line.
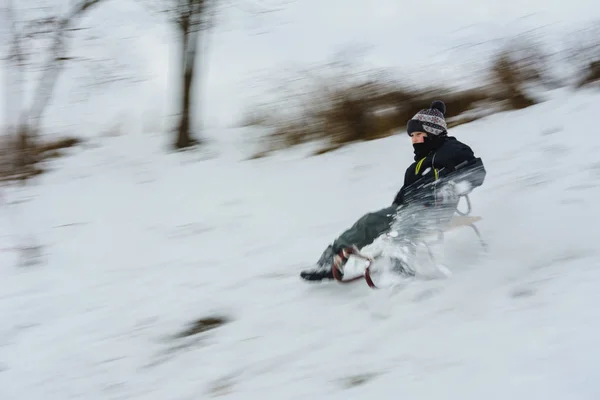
183	131
15	87
189	50
183	135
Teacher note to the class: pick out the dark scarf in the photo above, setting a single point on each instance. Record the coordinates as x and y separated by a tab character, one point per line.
431	143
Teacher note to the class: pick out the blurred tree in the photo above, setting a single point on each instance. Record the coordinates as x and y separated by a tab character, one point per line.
33	24
193	19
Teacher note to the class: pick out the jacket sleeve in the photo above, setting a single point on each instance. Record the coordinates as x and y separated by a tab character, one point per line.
462	165
472	171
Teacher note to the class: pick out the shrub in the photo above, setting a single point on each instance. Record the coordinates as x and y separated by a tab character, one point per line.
20	157
340	105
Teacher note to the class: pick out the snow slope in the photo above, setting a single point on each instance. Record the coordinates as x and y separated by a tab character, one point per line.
138	243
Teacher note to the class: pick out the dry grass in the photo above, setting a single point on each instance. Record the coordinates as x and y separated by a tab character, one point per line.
338	110
522	63
22	163
591	74
57	144
337	105
509	80
202	325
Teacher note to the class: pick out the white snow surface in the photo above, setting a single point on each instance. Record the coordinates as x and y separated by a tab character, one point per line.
137	243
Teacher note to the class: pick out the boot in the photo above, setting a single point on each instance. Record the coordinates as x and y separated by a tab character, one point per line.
324	267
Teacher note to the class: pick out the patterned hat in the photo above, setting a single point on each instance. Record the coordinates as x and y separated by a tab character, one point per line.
429	120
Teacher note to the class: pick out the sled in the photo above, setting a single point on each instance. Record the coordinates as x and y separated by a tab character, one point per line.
459	220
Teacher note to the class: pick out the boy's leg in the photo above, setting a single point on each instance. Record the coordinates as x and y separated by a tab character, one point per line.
366	229
363	232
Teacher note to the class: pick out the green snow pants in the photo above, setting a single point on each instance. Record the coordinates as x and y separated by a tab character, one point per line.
366	229
370	226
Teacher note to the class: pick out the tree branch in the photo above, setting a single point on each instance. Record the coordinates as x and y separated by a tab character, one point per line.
55	60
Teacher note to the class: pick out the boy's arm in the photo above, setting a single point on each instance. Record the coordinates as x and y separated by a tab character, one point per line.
463	168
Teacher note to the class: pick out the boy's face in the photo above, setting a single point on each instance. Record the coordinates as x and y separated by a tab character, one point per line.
418	137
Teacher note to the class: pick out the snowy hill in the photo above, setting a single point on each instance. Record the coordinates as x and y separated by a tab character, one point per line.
137	244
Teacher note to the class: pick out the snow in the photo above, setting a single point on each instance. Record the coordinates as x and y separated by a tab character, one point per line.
137	243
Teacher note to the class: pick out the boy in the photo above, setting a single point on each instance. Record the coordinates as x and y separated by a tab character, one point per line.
443	170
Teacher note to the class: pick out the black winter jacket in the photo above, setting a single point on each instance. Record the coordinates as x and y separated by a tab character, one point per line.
452	160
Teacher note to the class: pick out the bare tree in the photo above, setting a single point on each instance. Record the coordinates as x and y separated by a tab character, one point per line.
193	19
51	26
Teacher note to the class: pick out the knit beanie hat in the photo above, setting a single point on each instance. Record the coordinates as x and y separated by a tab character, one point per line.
430	120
